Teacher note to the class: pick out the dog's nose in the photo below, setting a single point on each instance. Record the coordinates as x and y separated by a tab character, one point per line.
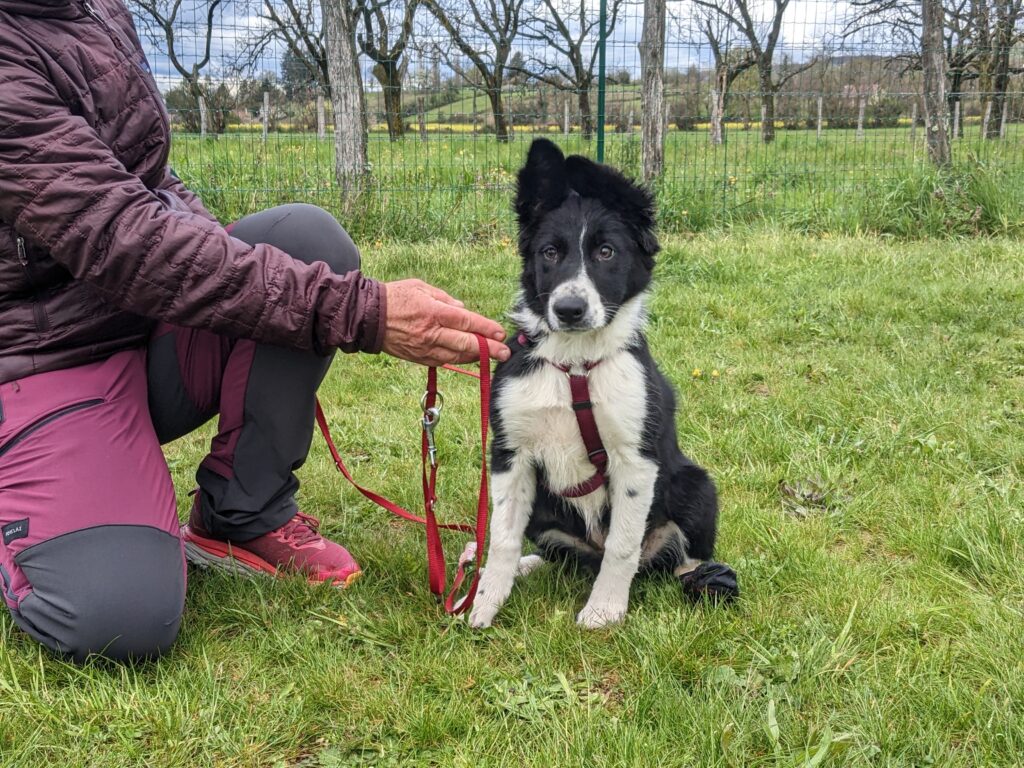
570	309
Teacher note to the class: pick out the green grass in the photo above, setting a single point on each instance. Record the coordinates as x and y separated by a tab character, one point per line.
458	185
881	620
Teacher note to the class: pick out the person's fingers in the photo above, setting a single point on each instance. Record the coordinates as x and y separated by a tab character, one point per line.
498	350
471	322
443	297
462	345
466	349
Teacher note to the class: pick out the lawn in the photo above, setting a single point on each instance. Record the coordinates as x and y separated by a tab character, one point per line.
458	185
866	431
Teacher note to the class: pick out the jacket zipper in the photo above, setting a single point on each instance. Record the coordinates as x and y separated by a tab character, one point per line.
23	257
131	53
37	425
42	321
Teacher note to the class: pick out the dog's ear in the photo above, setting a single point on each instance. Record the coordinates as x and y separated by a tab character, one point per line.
617	193
542	182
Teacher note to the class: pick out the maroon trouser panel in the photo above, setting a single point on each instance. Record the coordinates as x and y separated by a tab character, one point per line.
90	559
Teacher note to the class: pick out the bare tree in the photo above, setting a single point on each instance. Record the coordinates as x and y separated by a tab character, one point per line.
977	38
163	20
995	31
387	54
569	29
763	39
297	25
730	61
483	31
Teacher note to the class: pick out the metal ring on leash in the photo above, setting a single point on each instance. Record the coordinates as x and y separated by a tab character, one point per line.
438	406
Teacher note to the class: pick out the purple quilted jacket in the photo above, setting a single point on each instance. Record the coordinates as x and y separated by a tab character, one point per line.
98	239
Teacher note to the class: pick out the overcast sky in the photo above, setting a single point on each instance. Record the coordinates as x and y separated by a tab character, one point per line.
808	25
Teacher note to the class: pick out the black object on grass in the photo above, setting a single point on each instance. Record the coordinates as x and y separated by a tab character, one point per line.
712	581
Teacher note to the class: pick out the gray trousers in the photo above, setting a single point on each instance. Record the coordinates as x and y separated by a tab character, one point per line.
265	395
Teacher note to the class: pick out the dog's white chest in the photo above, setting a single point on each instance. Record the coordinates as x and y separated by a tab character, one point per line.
539	423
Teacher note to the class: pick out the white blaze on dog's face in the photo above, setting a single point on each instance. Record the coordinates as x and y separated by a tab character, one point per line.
586	239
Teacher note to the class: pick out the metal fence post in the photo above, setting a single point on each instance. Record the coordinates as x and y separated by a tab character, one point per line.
601	79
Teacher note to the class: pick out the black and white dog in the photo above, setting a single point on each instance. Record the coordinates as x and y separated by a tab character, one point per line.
585	461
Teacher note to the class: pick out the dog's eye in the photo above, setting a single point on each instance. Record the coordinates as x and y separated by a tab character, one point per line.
605	252
549	252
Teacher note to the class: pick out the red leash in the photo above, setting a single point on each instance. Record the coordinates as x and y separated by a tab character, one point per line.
435	553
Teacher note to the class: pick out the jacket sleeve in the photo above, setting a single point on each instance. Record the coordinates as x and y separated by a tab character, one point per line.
174	186
63	189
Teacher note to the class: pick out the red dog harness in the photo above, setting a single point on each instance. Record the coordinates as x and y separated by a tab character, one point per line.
583	409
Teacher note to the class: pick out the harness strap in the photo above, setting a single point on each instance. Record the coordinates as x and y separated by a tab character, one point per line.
583	409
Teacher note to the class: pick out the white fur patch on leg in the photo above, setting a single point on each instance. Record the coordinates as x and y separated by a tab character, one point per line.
609	599
512	493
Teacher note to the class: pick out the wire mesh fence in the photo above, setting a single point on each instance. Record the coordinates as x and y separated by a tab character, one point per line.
410	118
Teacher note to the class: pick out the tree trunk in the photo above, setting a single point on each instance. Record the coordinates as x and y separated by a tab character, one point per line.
390	79
652	97
933	62
350	160
586	113
202	116
1003	42
767	103
565	118
715	134
502	129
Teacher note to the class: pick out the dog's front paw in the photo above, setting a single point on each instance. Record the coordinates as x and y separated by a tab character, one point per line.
489	599
483	613
599	615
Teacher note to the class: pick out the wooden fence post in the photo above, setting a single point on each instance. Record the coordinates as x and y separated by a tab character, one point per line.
321	117
266	114
818	132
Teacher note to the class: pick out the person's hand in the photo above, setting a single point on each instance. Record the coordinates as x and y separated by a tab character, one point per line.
425	325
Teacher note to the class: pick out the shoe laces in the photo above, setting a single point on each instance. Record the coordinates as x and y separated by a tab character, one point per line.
301	529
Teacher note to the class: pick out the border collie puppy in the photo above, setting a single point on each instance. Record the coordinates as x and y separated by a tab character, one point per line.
585	461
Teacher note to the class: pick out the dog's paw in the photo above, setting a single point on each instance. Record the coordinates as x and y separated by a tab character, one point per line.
483	613
600	615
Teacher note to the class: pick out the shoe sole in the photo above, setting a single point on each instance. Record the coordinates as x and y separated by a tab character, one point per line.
223	557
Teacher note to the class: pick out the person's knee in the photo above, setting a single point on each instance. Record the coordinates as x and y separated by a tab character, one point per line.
306	232
117	591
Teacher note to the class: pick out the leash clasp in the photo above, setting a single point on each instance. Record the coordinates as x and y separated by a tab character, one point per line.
431	416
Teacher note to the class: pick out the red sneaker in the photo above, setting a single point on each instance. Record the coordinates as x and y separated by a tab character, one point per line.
295	547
